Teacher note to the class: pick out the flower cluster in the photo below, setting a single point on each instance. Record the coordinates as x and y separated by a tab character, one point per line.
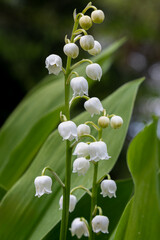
90	152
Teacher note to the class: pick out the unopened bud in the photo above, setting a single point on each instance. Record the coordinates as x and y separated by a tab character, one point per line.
103	122
87	42
116	122
85	22
71	50
96	50
97	16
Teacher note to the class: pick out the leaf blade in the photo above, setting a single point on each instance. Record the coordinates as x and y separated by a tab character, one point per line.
143	212
20	202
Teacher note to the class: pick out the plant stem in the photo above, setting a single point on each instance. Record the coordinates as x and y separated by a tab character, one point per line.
81	187
94	191
93	199
66	189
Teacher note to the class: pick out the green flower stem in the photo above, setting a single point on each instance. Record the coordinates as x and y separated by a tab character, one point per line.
99	209
88	7
93	199
62	117
111	115
93	124
100	134
80	62
64	71
54	174
66	190
90	136
78	31
70	75
108	176
85	135
104	112
100	180
77	97
81	187
94	191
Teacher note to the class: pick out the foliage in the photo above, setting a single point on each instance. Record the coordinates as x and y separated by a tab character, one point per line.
19	205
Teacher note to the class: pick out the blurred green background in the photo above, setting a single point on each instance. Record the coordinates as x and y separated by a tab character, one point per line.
31	30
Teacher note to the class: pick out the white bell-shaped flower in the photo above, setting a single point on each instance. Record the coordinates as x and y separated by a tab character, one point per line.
87	42
100	224
98	151
93	106
96	49
81	150
83	129
54	64
79	228
81	166
71	50
116	122
72	203
79	86
108	188
94	71
97	16
43	185
68	130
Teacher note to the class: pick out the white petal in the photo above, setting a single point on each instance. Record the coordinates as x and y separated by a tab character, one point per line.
81	150
43	185
68	130
94	71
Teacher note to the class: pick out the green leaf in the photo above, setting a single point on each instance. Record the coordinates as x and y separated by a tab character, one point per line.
140	219
2	193
112	208
23	216
24	132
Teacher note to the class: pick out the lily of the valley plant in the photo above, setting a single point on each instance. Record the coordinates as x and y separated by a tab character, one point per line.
87	153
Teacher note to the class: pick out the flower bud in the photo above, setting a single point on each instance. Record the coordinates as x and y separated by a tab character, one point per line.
79	86
94	71
53	64
83	129
116	122
72	203
71	50
100	224
43	185
81	166
79	228
97	16
108	188
103	122
87	42
96	49
98	151
81	150
93	106
68	130
85	22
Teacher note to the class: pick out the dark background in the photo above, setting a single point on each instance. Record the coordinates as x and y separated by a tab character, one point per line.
31	30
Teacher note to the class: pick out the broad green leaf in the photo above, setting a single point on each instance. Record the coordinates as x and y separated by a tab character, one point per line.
23	216
24	132
112	208
2	193
140	219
